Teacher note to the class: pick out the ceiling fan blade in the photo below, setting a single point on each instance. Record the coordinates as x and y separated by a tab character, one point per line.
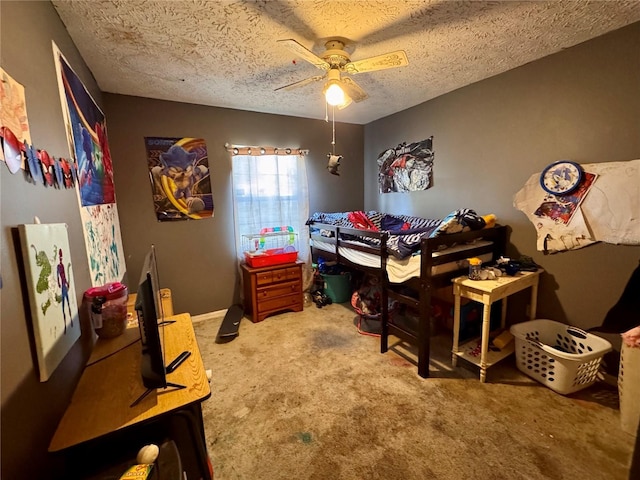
301	83
347	102
379	62
426	16
305	53
284	14
353	90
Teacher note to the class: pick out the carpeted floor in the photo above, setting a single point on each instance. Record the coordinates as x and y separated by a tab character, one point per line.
305	396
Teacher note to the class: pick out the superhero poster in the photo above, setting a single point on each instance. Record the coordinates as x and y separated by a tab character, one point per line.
88	146
562	208
87	137
180	180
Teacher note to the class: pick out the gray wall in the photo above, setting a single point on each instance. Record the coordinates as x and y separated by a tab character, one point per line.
196	258
490	137
30	409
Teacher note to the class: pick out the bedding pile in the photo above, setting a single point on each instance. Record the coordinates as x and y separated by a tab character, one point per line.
405	232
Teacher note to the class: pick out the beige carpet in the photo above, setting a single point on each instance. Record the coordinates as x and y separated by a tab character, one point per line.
305	396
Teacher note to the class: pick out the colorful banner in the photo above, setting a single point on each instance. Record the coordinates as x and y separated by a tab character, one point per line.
180	180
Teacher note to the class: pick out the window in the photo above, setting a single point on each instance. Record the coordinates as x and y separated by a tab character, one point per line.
270	191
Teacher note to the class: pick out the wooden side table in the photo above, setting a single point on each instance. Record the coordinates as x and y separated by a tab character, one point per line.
487	292
272	289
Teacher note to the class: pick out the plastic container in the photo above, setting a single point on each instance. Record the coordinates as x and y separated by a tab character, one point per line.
276	256
475	266
337	287
564	358
108	309
271	246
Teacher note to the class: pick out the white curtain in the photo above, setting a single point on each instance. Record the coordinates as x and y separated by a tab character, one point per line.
271	191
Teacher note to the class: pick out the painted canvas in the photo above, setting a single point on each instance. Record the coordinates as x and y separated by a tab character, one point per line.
52	296
406	168
180	181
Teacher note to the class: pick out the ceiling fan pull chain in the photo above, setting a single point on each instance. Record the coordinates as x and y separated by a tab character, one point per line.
333	140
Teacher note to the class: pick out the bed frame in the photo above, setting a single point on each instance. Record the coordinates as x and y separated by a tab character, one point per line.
415	292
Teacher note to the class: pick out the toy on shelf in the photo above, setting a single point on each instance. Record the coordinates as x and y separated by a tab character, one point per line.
271	246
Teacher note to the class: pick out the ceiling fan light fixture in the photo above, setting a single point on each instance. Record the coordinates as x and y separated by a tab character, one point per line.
333	93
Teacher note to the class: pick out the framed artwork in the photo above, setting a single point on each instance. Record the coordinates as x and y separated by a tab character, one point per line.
52	295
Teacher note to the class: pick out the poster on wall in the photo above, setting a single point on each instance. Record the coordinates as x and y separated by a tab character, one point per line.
52	297
101	226
562	208
87	137
406	168
13	116
88	146
180	180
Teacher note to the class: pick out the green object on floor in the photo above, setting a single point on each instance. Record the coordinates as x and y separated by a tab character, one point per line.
337	287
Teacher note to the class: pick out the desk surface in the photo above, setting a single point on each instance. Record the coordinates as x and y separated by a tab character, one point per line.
111	382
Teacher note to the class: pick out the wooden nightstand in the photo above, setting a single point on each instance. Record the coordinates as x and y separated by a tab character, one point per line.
272	289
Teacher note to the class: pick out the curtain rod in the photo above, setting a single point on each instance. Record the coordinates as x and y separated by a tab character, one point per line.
257	150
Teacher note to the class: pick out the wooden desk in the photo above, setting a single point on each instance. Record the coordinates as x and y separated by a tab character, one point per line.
165	298
487	292
111	382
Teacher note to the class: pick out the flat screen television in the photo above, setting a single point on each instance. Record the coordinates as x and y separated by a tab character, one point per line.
151	323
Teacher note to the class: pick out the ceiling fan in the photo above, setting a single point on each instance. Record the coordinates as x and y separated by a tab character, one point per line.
335	61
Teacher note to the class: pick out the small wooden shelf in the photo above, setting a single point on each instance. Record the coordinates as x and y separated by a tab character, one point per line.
493	357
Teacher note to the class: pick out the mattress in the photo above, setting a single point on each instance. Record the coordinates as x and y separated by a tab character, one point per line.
398	270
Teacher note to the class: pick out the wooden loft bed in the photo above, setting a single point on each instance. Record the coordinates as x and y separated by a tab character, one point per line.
441	259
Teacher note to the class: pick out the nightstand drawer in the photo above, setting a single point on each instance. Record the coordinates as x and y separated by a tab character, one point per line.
277	290
280	303
284	274
264	278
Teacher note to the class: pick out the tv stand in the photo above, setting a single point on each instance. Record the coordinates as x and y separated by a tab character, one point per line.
175	363
149	390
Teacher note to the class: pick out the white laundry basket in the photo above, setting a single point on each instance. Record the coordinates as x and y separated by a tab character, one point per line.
564	358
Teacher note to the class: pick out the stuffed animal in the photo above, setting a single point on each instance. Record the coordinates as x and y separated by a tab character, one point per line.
334	164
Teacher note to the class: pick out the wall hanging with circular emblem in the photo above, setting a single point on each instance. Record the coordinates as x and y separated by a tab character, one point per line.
561	177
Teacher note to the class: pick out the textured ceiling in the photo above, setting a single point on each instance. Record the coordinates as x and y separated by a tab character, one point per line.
225	53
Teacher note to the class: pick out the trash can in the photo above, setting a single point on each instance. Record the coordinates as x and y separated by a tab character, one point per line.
337	287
